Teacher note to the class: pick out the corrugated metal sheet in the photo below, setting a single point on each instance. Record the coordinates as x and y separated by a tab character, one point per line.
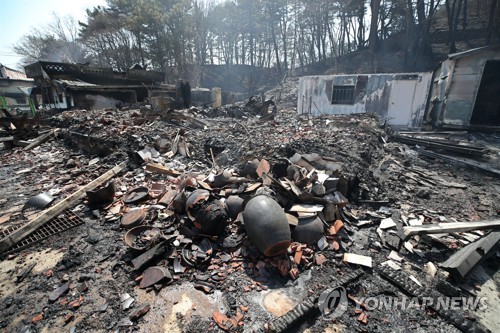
12	74
75	83
398	98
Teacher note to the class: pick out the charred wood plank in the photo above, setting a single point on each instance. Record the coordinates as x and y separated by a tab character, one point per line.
477	166
41	139
158	168
461	262
18	235
442	228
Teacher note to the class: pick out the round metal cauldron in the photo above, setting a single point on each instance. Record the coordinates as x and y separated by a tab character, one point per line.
267	226
309	230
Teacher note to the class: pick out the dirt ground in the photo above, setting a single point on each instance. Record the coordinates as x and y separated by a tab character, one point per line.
382	179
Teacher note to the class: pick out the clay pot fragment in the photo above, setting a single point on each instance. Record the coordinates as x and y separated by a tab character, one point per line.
267	226
102	196
153	275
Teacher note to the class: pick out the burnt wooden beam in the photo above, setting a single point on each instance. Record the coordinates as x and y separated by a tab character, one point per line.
463	261
48	214
158	168
41	139
444	228
474	165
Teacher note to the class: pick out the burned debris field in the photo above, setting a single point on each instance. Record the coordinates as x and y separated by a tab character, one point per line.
137	220
275	166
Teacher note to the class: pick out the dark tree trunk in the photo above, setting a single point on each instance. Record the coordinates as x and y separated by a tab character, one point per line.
373	37
453	9
491	20
276	49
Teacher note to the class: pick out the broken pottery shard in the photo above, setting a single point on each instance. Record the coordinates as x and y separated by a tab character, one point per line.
148	256
124	297
363	318
226	323
178	268
37	318
167	198
39	201
263	167
153	275
53	296
147	154
408	246
82	287
139	311
320	259
336	227
25	272
204	286
358	259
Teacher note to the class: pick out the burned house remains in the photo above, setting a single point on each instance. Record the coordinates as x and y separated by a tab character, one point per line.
465	89
15	89
66	86
399	99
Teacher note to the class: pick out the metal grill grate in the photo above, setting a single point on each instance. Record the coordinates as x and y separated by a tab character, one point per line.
343	95
63	222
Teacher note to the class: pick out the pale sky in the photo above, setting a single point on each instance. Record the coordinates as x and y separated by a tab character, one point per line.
19	17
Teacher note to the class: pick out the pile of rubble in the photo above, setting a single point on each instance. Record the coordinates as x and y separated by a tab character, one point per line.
242	218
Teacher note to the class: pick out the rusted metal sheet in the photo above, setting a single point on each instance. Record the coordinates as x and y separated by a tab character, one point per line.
399	99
